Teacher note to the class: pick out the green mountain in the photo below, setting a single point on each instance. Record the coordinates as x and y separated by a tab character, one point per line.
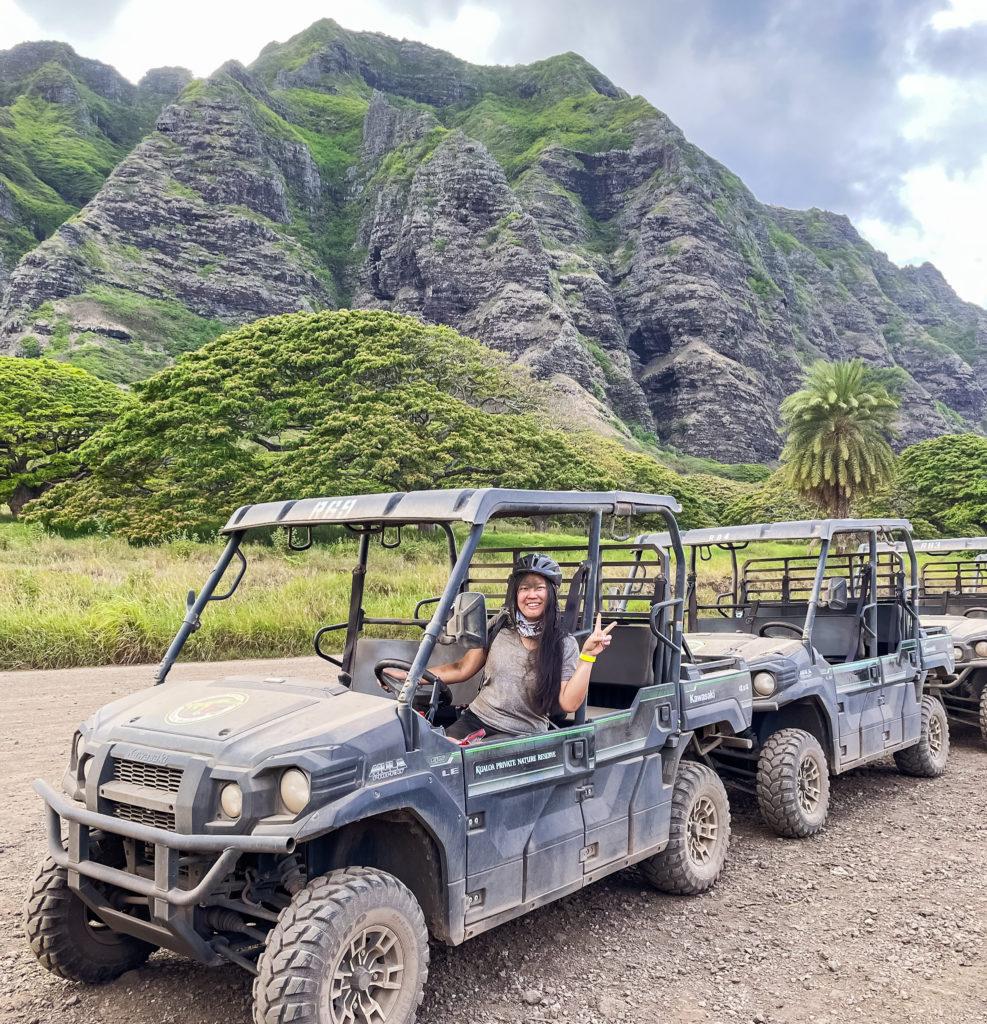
65	123
540	209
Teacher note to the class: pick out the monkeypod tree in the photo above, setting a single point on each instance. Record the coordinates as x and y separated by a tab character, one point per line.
336	402
48	411
942	485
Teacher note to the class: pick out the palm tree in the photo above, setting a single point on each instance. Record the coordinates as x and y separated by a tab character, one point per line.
837	443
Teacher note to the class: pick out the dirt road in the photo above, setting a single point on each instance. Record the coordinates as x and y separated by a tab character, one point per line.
879	919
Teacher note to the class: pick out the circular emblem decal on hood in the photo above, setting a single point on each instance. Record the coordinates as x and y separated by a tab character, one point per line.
206	707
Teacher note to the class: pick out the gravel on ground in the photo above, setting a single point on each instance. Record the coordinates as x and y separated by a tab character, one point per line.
880	918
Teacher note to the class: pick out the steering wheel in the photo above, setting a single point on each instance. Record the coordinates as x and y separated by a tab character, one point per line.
424	694
779	624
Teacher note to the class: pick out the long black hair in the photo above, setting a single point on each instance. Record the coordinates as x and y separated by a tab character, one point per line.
551	644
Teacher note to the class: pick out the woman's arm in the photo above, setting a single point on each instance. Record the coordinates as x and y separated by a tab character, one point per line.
573	690
456	671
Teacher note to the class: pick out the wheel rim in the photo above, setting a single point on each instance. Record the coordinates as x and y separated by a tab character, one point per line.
935	736
703	829
99	931
367	979
809	786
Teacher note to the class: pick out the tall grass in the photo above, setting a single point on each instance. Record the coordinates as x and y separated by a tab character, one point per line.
98	601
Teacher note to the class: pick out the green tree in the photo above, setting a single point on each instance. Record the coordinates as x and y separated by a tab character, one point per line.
942	485
327	403
837	441
773	502
48	411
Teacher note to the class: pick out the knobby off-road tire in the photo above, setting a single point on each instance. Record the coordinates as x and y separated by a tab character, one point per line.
793	783
983	713
927	759
68	939
351	947
699	834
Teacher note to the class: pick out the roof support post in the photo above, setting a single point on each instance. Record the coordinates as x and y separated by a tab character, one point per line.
810	618
405	711
194	607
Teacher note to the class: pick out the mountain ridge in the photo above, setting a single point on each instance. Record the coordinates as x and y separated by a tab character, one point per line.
539	208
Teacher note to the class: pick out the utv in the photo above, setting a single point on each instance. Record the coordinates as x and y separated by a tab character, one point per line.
837	655
952	595
317	831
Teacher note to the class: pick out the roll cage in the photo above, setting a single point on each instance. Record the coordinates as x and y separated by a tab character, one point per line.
383	516
950	585
790	589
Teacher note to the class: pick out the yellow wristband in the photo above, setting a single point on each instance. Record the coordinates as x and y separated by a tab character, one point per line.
587	657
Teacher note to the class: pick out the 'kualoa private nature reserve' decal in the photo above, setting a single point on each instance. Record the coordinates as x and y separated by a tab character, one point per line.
206	707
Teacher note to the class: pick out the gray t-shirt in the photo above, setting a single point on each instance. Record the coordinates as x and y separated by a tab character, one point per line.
506	701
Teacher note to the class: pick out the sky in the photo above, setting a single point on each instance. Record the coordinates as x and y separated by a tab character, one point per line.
872	108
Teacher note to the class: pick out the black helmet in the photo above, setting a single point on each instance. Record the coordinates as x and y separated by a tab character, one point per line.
539	564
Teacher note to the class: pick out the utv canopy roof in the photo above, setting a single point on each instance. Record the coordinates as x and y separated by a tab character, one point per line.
462	506
942	547
802	529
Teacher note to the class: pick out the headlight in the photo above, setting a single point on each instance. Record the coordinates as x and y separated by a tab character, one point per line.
958	654
87	765
981	648
764	684
78	747
296	790
231	800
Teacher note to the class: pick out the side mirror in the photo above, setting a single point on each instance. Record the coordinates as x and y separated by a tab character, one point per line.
467	622
835	598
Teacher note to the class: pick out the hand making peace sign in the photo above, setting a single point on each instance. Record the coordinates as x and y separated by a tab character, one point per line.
599	640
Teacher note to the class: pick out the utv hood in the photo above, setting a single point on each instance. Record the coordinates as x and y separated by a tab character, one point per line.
706	646
241	714
960	628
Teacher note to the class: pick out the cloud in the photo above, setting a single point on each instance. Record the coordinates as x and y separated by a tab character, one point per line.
942	203
957	52
15	25
72	19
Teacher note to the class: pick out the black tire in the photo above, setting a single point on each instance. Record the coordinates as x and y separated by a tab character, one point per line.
699	834
927	759
307	974
983	713
793	783
67	937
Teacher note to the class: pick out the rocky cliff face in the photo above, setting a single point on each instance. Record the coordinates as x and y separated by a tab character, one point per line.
65	123
539	209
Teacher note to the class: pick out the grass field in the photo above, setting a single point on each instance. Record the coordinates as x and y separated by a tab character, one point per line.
98	601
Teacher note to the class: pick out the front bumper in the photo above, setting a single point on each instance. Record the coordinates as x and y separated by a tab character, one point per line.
170	922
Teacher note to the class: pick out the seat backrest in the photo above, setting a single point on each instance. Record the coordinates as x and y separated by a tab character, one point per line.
835	635
888	628
370	650
624	668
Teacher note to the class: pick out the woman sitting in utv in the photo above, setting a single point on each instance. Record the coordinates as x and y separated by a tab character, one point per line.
533	668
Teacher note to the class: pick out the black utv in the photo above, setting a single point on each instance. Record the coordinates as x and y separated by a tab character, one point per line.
837	655
317	831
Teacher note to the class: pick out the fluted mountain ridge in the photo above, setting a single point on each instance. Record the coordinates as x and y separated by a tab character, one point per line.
540	209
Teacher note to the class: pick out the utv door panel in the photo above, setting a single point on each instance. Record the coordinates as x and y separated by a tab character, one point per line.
859	691
625	781
902	705
651	807
525	823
